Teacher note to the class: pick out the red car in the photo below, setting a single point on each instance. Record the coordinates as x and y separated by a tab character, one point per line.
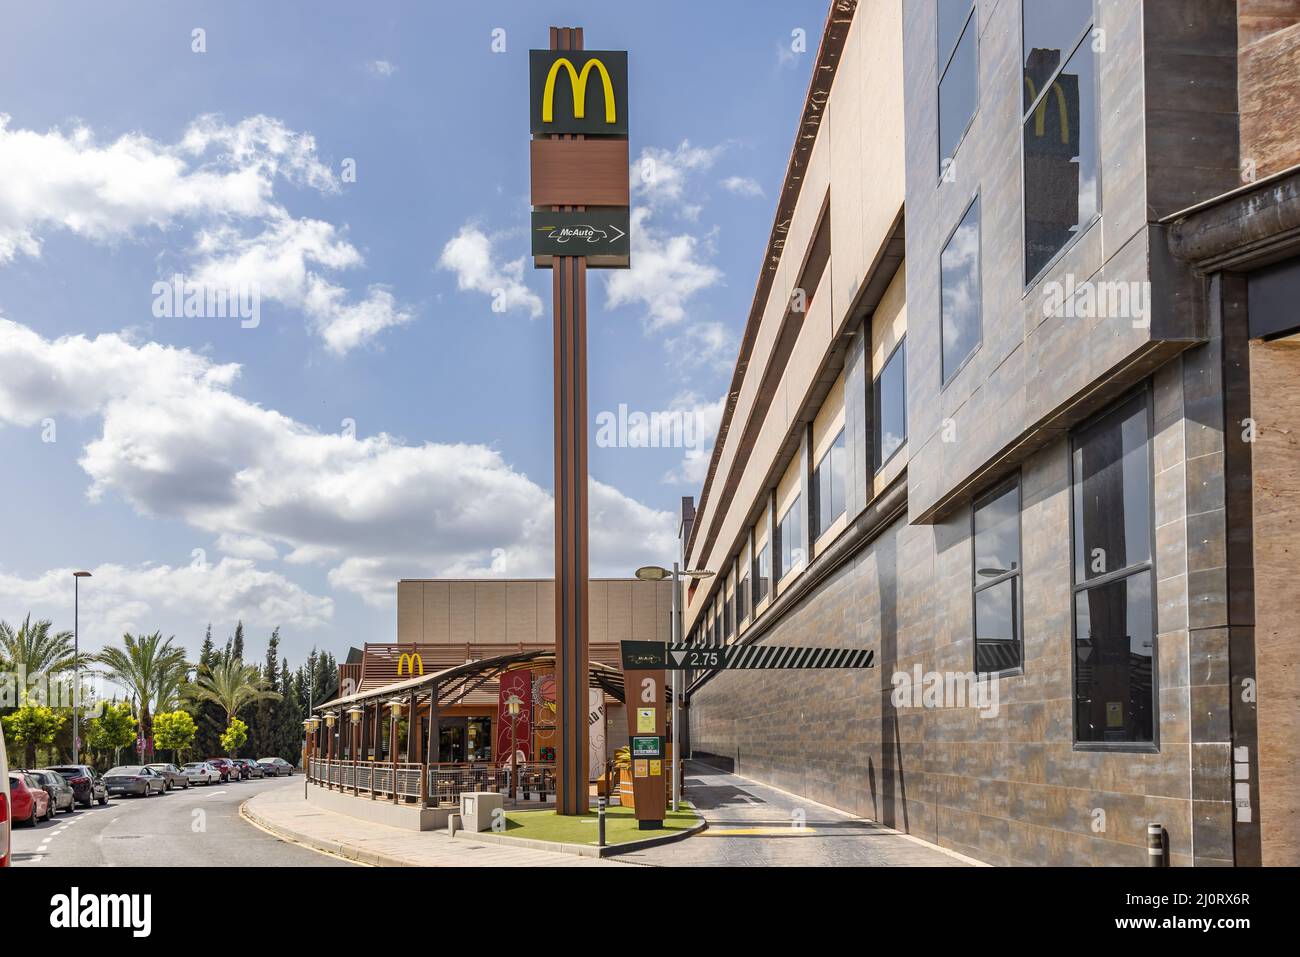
29	800
229	770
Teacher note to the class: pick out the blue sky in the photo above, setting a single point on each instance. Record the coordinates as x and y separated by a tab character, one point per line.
382	420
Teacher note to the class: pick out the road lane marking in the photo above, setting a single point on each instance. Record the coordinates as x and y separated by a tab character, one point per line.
757	831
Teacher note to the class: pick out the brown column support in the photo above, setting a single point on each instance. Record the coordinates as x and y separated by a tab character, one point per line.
569	274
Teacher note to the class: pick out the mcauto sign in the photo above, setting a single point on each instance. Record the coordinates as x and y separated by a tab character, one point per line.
578	91
600	234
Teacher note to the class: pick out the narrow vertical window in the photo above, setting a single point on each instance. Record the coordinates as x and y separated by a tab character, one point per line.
1114	616
789	543
889	397
958	74
1059	119
959	269
828	487
996	535
762	571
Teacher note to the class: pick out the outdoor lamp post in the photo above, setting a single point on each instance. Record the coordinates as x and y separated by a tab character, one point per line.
656	573
514	705
354	714
330	719
395	711
76	664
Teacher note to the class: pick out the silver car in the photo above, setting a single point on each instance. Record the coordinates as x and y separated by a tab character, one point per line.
276	766
136	779
173	777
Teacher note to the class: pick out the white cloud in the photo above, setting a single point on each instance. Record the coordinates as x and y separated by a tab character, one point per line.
742	186
708	417
247	546
381	68
469	255
121	598
278	263
659	176
181	444
705	344
218	176
666	272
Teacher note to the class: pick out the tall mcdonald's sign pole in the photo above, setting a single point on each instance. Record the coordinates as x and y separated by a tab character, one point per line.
579	170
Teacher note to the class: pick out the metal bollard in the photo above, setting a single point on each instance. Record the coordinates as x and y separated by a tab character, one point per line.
600	822
1155	845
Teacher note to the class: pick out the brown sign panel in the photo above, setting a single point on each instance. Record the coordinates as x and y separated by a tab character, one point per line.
579	172
646	718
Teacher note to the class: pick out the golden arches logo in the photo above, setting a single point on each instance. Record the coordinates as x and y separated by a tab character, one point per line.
410	663
1040	111
579	84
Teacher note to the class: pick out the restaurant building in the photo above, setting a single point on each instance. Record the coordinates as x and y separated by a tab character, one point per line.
444	623
1013	408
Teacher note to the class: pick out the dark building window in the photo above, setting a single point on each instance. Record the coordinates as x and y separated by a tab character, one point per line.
1114	638
959	267
998	637
958	74
742	599
762	572
727	623
828	487
717	620
889	398
788	539
1062	192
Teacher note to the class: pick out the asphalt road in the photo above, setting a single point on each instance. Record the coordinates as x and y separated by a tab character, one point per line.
199	827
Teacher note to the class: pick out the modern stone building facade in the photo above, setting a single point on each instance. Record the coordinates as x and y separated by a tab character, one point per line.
992	418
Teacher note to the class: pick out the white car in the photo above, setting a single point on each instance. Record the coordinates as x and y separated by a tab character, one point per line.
200	772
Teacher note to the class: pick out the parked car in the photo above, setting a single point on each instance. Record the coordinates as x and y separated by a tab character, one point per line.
29	800
173	777
227	768
59	790
200	772
134	779
87	785
6	819
254	769
276	766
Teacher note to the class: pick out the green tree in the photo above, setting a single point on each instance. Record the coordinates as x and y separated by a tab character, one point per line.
262	721
34	651
288	727
113	730
174	731
207	714
150	667
234	737
33	726
233	685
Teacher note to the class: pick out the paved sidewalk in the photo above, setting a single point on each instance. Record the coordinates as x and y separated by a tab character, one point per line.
287	814
751	825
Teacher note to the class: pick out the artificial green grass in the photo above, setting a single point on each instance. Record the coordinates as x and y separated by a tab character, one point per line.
620	825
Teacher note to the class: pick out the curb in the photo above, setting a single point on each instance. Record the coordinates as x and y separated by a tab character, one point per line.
581	850
335	848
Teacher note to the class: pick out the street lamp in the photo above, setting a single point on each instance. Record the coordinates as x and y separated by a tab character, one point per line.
395	710
514	704
311	725
354	714
656	573
330	719
76	664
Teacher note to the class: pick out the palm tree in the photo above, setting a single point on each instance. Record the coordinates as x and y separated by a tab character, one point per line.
34	649
150	667
232	686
